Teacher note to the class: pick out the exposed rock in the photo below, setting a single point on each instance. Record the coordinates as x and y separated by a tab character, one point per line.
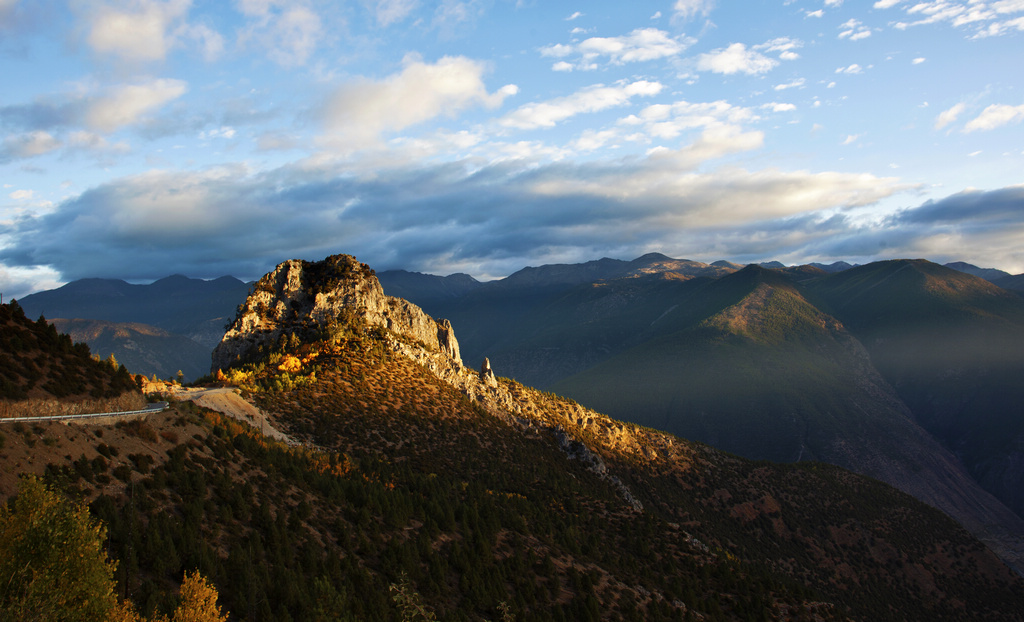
487	374
304	298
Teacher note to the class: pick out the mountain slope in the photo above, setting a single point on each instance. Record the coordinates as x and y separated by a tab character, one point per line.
143	349
772	377
952	345
477	492
43	372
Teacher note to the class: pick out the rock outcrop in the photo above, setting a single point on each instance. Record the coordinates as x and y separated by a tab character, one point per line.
313	298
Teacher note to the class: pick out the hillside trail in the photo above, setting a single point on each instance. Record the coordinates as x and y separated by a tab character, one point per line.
230	403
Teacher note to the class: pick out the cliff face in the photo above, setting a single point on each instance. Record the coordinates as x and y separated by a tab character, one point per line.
299	297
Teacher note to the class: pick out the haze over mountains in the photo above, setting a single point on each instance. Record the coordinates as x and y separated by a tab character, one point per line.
902	370
476	495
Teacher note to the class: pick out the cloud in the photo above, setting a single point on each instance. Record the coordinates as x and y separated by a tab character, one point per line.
128	104
451	216
28	145
974	208
735	59
668	121
779	107
783	45
590	99
948	116
361	111
996	115
22	195
886	4
288	31
792	84
686	9
642	44
986	19
389	12
138	31
145	30
851	69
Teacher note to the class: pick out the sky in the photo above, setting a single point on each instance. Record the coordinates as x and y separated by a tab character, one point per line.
144	138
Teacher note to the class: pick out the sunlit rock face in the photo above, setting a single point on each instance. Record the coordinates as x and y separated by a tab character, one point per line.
309	298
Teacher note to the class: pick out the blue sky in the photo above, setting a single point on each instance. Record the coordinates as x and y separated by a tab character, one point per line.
142	138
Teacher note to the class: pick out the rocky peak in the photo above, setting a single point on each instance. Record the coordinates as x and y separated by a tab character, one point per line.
308	298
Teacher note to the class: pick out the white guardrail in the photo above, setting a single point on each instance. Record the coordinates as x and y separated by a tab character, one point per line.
152	408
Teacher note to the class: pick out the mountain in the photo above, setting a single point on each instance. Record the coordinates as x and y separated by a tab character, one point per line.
989	274
722	361
194	308
837	266
184	308
952	346
411	476
43	372
751	366
141	348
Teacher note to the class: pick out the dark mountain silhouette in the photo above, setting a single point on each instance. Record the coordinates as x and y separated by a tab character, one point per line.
154	319
721	361
194	308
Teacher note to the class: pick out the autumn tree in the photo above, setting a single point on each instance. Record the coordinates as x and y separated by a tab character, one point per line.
198	601
52	564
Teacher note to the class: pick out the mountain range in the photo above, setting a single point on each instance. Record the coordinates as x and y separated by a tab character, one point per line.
407	474
904	370
901	370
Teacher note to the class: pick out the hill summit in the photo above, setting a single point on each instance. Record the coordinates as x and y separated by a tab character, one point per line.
301	300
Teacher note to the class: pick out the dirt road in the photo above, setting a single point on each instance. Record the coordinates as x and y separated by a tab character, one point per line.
230	403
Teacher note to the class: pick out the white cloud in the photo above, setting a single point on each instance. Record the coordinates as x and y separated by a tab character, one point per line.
362	110
127	104
138	31
792	84
918	60
22	195
987	19
948	116
818	13
28	145
575	15
389	12
642	44
852	69
886	4
562	66
288	31
850	139
735	59
591	99
685	9
668	121
996	115
835	3
854	30
779	107
783	45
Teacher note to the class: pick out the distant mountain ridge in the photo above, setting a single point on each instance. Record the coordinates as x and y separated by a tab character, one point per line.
411	476
169	325
664	346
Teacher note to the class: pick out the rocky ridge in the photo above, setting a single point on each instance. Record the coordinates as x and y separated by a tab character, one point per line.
299	298
306	298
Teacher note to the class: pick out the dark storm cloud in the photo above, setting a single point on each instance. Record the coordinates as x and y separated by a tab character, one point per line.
973	207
